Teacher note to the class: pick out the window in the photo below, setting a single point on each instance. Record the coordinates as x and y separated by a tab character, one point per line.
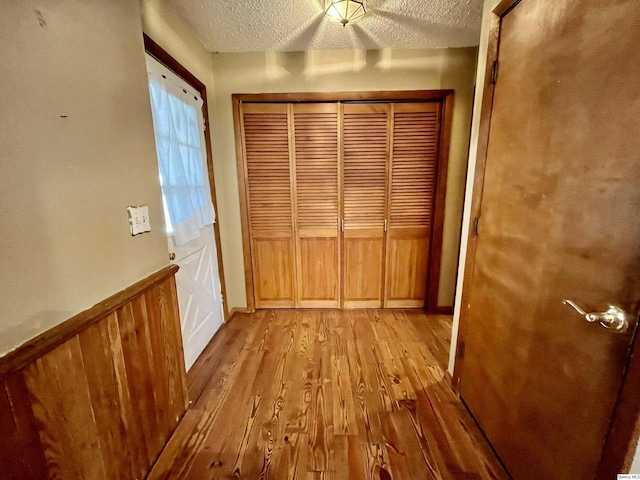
179	133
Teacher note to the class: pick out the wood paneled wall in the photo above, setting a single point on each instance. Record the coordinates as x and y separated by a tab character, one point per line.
98	396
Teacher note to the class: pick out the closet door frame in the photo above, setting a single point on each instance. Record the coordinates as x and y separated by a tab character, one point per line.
445	97
162	56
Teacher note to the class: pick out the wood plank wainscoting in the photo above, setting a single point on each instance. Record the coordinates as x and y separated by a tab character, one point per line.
98	396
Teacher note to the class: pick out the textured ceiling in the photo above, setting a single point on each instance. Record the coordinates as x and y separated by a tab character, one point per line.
295	25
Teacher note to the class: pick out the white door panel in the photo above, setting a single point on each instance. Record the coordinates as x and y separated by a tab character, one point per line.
199	292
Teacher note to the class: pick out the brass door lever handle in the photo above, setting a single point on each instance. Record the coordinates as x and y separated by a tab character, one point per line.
613	317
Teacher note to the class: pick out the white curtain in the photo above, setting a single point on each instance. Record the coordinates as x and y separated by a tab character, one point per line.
183	173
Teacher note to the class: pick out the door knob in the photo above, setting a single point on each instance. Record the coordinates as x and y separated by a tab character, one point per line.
172	256
613	317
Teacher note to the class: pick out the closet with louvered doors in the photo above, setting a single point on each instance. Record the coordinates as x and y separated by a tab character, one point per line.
343	201
317	202
268	178
413	173
365	158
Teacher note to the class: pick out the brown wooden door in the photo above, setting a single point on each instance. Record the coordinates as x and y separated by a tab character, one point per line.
317	202
268	179
559	220
412	191
364	170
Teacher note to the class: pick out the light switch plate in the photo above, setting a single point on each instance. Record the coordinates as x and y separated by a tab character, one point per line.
138	219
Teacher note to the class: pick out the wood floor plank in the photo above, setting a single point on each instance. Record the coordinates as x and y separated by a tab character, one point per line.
327	394
344	412
321	428
223	412
367	410
306	335
172	461
401	461
225	347
323	329
421	444
360	324
256	333
290	459
377	462
437	336
298	405
269	435
383	389
199	450
356	459
398	380
284	324
240	449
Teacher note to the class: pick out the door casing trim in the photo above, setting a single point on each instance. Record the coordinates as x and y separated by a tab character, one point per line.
162	56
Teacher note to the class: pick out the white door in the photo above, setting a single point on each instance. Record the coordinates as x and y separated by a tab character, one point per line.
189	216
199	291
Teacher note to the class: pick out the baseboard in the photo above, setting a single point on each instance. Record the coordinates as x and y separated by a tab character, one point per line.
235	310
443	311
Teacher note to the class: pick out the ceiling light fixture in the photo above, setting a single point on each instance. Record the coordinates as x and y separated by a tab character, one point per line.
344	11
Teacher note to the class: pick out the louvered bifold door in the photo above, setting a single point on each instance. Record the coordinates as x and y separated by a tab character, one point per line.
270	207
412	190
316	148
364	170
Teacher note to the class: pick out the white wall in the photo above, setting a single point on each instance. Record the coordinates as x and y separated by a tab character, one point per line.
489	5
76	147
327	71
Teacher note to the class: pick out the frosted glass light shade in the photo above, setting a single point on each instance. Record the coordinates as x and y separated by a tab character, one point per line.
344	11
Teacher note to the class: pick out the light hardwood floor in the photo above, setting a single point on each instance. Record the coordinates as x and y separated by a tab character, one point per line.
327	394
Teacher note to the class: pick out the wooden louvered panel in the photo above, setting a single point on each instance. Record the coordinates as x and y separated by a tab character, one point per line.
414	164
413	174
266	138
269	202
366	149
316	160
365	157
317	202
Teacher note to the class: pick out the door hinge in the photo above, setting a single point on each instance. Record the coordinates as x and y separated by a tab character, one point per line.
494	72
476	223
460	353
